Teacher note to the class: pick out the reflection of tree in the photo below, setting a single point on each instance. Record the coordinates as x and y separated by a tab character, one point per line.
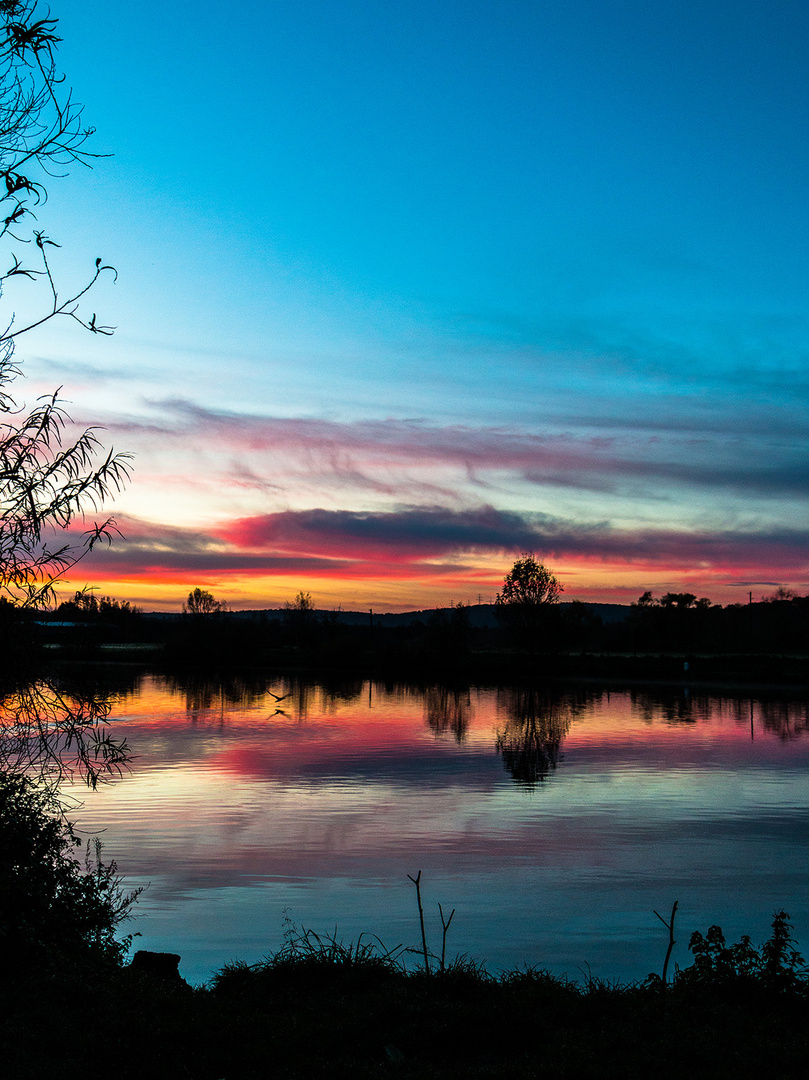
448	710
786	719
339	689
537	722
55	731
671	706
205	692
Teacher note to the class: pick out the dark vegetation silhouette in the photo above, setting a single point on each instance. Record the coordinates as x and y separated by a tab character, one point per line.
527	634
321	1006
676	637
202	602
54	910
525	602
48	481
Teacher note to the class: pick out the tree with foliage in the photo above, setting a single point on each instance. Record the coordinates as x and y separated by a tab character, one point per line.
528	584
529	589
202	602
87	607
53	731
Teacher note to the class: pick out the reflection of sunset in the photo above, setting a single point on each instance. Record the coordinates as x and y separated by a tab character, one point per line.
333	794
367	716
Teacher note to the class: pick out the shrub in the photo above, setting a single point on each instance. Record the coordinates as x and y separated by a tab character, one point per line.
51	905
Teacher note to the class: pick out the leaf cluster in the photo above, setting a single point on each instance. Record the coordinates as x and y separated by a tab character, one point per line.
776	964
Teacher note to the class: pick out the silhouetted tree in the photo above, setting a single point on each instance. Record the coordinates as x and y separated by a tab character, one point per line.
51	730
86	606
202	602
529	589
45	483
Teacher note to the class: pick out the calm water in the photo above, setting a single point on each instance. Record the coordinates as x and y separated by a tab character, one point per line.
554	822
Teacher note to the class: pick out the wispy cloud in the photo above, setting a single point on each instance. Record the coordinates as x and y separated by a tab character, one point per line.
405	459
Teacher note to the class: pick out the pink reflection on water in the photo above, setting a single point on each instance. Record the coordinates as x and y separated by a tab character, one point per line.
554	820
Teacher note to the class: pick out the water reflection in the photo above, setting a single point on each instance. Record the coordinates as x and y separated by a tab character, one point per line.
537	721
203	693
530	744
448	709
788	720
259	793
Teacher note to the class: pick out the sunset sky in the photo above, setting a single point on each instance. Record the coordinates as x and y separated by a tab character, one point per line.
406	289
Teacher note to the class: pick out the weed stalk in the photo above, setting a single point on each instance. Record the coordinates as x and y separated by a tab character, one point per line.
444	928
670	927
417	882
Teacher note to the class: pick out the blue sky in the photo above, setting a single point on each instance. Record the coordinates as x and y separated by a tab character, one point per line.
382	261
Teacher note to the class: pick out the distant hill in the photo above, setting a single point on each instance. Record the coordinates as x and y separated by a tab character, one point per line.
480	615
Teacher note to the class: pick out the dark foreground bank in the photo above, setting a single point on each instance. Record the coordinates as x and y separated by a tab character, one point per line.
323	1009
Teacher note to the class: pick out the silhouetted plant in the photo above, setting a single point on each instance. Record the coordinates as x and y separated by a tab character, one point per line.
417	882
86	606
202	602
52	732
45	481
669	925
49	903
777	963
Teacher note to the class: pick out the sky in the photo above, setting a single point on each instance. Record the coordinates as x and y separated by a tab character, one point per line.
406	290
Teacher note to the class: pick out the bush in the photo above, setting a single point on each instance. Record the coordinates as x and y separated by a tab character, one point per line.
52	907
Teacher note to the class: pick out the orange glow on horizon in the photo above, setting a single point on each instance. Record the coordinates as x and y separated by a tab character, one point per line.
415	587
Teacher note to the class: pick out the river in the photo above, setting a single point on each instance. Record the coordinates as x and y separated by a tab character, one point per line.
555	821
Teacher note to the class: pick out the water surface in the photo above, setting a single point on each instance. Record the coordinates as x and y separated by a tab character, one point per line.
553	821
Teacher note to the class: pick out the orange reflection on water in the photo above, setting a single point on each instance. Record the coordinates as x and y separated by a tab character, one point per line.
250	795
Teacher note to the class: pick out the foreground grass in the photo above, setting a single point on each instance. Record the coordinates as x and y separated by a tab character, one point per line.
323	1009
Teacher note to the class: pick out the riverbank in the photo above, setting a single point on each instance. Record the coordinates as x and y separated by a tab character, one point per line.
342	1011
784	671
